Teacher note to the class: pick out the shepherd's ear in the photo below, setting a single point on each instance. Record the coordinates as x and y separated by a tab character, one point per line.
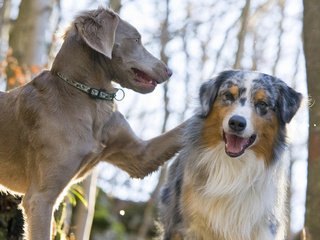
208	93
99	30
289	102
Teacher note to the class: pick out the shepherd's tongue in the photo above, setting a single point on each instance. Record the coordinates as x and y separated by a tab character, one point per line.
235	144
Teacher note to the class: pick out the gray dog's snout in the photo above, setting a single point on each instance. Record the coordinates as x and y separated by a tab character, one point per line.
237	123
169	72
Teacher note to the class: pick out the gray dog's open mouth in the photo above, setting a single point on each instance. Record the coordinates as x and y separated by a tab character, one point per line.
235	145
143	79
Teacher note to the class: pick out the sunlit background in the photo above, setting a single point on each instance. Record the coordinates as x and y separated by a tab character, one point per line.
202	38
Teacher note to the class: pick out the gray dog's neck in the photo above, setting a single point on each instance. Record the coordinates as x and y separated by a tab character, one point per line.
78	62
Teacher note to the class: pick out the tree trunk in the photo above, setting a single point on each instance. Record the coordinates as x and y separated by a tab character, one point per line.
115	5
83	215
311	35
242	33
27	38
5	7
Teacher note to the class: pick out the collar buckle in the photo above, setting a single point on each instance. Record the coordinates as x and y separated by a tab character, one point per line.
93	93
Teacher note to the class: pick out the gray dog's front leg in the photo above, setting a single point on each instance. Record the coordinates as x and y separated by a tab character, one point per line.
135	156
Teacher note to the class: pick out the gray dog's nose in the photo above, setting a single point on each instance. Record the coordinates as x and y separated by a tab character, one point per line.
169	72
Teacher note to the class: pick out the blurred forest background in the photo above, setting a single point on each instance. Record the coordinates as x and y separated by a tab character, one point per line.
197	39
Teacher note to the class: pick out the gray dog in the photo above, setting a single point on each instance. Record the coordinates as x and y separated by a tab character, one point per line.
56	128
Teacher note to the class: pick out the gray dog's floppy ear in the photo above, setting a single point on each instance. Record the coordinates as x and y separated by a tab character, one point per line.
208	93
288	101
99	31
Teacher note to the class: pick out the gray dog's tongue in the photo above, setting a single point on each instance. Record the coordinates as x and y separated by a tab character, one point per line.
235	144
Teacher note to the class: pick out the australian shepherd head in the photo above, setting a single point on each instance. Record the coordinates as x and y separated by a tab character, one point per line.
247	111
227	182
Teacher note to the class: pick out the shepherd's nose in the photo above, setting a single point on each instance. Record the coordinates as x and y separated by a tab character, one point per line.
169	72
237	123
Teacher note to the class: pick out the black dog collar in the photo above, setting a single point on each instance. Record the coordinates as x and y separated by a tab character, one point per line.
94	92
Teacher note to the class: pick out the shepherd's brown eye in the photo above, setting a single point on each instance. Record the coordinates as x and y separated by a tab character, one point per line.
228	97
262	107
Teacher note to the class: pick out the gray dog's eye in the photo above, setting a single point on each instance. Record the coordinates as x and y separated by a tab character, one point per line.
137	40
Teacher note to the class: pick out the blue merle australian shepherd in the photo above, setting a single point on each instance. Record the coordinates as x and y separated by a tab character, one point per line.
226	183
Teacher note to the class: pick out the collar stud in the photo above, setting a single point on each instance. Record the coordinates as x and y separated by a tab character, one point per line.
93	92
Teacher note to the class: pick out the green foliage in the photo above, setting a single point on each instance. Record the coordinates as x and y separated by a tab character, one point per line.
74	195
105	220
76	192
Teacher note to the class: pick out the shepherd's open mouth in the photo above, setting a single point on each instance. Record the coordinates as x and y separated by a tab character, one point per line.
143	79
235	145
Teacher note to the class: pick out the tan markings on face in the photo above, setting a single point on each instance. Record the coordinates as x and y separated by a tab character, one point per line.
260	95
212	131
234	90
267	129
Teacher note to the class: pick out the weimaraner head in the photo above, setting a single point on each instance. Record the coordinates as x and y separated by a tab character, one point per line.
132	66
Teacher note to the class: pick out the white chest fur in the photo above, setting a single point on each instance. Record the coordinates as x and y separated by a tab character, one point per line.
237	199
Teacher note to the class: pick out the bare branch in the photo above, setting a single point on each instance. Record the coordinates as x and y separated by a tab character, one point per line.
281	4
224	42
